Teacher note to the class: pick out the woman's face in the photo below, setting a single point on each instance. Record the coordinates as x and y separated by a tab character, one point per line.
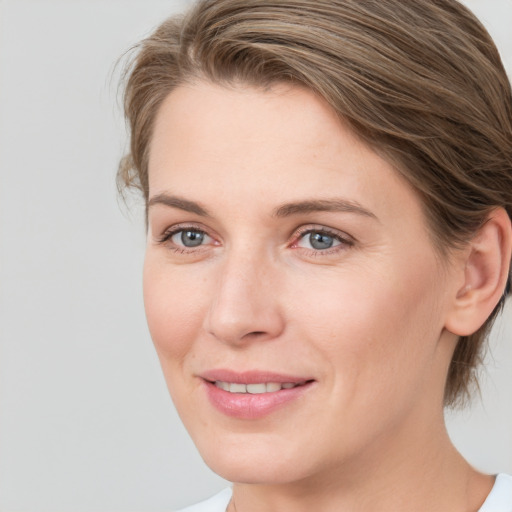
292	291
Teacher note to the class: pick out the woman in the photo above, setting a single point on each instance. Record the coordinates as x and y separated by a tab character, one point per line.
329	192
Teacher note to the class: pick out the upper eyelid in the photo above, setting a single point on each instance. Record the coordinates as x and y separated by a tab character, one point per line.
304	230
176	228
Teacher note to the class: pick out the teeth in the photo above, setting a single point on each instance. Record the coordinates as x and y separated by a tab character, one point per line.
222	385
274	386
237	388
254	389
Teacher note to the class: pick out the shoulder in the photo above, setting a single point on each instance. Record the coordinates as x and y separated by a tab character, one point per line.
500	497
217	503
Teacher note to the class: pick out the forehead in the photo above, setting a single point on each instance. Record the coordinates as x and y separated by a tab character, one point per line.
223	120
282	144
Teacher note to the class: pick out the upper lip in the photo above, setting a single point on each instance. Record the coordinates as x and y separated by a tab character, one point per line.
251	377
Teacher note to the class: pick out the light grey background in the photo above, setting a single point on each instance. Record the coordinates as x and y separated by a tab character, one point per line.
85	420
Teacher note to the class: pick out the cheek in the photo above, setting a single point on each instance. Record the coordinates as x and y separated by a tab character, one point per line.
377	331
173	309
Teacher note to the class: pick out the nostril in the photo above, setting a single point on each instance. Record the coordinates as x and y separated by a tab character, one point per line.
255	334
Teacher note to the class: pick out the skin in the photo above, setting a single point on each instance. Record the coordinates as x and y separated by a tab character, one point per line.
366	319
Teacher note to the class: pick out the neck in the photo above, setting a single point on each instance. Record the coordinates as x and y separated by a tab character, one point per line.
414	467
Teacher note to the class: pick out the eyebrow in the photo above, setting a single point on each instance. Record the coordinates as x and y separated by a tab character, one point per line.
285	210
322	205
180	203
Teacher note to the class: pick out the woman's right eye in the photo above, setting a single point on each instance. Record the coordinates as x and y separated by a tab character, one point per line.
188	238
183	238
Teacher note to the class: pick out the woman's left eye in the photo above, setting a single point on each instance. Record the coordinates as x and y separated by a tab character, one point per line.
320	240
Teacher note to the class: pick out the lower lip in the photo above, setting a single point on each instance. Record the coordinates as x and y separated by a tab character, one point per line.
248	406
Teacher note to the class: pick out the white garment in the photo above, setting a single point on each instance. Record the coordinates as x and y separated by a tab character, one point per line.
217	503
499	499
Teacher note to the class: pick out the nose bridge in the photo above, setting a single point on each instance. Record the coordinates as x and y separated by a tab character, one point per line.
244	303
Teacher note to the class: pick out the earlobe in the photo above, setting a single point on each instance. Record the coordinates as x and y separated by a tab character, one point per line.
487	266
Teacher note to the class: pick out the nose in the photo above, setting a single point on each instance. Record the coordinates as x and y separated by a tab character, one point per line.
245	301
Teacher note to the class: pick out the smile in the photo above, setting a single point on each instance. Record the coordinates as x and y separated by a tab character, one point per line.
253	395
255	389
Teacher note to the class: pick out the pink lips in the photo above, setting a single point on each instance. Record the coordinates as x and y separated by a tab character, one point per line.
248	405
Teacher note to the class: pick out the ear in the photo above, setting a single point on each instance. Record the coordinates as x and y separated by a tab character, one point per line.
486	270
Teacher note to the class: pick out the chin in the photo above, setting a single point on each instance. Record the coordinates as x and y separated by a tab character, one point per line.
245	471
247	459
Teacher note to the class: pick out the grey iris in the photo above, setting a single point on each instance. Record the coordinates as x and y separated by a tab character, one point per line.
192	238
320	241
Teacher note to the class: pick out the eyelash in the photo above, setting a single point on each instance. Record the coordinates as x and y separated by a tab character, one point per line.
165	238
344	240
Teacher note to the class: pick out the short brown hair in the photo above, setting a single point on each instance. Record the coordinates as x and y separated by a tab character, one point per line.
421	82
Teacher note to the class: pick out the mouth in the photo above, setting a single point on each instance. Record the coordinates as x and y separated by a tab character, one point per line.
253	395
256	389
